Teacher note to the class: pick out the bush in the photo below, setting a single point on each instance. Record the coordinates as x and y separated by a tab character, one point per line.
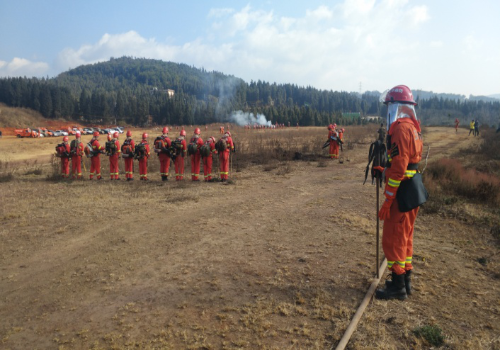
432	334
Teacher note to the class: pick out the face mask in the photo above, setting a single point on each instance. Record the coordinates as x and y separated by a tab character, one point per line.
398	110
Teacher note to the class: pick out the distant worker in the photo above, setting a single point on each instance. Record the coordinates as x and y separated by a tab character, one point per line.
76	151
143	152
95	160
471	127
63	151
226	145
341	138
457	123
208	158
194	151
162	148
128	150
476	128
221	130
333	138
113	150
404	144
181	150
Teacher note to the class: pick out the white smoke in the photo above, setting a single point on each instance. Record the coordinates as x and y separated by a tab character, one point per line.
244	118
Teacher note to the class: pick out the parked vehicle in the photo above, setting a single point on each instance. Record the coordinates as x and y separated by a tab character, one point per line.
63	133
52	133
26	133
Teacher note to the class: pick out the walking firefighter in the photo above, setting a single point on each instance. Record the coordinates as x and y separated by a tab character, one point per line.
142	153
113	151
180	147
162	149
333	139
128	150
194	151
76	152
207	151
404	191
63	151
224	146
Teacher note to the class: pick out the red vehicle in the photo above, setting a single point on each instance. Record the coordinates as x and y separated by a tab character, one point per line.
26	133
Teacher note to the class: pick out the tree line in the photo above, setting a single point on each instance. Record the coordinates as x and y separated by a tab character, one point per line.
135	91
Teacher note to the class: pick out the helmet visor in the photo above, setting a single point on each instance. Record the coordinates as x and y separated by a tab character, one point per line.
397	110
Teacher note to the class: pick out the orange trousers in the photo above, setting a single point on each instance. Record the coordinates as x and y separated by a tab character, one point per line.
114	173
129	168
95	167
179	168
195	166
207	167
65	167
143	168
164	164
224	165
334	149
76	167
397	239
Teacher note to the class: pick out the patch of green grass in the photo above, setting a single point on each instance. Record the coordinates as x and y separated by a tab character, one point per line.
431	333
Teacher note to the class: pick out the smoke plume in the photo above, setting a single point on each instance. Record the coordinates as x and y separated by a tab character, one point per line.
245	118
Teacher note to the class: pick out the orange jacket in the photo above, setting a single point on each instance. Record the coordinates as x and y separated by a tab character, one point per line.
230	144
77	148
405	148
146	146
96	147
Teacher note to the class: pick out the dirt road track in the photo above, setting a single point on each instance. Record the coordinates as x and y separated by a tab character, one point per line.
280	258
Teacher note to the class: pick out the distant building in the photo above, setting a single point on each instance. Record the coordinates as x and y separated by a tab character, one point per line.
371	117
169	92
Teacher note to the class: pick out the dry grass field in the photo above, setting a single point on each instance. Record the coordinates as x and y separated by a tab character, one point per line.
278	258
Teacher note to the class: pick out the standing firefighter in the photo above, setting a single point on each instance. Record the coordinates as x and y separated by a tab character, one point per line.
333	139
399	211
471	128
113	150
457	123
194	151
128	150
142	153
207	150
63	151
76	151
180	147
224	146
162	148
95	154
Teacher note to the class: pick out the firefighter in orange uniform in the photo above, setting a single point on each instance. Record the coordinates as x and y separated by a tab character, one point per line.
457	123
341	138
128	149
208	160
224	156
179	160
197	142
76	151
333	138
63	151
404	143
114	172
95	160
162	145
143	161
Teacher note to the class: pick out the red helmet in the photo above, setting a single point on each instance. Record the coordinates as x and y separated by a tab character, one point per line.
197	131
96	134
400	93
145	136
165	130
330	127
212	138
109	137
78	135
228	133
334	126
115	134
129	133
183	133
65	139
343	129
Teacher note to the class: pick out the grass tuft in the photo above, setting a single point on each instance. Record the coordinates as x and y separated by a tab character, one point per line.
430	333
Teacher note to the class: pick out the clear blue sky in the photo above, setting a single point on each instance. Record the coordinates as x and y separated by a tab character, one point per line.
442	46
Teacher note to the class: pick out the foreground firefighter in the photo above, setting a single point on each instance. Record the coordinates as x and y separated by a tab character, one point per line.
224	146
94	150
63	151
404	190
128	150
113	151
180	147
194	151
142	153
333	138
76	151
162	148
207	151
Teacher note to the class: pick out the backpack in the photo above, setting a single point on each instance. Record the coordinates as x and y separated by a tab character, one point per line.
127	149
177	147
192	148
89	152
61	151
377	155
221	145
205	150
110	148
140	151
75	148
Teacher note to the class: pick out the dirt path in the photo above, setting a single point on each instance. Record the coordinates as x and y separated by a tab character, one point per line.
279	259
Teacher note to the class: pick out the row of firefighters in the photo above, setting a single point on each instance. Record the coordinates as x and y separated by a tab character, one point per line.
165	148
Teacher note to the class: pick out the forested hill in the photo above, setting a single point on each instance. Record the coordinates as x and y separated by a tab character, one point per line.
140	91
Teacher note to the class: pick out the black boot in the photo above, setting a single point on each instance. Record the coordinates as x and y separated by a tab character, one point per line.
163	178
407	282
395	290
